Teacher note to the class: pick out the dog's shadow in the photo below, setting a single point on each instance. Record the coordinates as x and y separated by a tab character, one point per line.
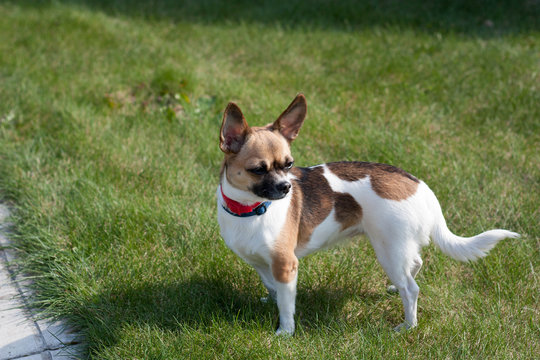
199	302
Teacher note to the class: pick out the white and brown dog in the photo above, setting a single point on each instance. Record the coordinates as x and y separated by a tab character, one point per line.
271	213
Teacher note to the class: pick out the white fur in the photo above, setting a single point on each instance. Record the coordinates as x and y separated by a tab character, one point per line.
251	238
286	296
396	229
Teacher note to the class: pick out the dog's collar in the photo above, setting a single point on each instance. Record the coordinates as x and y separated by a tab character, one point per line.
237	209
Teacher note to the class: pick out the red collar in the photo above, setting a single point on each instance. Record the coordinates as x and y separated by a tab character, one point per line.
240	209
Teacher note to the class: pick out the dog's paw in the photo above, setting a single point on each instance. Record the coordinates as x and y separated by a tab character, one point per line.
392	289
270	298
403	327
284	332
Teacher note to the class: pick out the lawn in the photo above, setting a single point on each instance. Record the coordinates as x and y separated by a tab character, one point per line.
109	158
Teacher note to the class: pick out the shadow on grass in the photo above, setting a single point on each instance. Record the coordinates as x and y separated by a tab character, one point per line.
486	18
201	302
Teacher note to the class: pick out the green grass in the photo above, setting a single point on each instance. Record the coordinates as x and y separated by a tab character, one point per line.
109	120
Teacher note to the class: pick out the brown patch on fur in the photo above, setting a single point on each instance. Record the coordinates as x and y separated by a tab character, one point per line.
304	214
387	181
348	211
284	266
284	261
317	206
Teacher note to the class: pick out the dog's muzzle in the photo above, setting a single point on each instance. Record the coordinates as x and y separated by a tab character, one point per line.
272	191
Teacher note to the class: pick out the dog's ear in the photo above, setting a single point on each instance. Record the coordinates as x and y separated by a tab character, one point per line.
291	120
233	129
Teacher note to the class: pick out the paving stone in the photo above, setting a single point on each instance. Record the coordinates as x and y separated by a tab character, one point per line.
67	352
7	290
19	335
56	334
22	338
41	356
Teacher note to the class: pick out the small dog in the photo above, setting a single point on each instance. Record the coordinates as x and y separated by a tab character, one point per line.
272	213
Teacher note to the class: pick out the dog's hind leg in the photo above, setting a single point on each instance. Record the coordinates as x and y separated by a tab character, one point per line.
401	268
415	268
409	296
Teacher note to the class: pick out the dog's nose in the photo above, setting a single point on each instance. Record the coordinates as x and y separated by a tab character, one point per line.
284	187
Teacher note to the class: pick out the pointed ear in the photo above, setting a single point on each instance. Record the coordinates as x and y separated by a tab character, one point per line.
233	129
291	120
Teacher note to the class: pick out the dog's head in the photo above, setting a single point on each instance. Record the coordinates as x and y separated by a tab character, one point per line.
258	159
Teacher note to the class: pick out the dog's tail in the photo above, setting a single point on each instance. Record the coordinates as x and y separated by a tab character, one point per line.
465	248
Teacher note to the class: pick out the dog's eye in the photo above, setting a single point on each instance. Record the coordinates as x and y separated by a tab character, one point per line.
289	165
261	170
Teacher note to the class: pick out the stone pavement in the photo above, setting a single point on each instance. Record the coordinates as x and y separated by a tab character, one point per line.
22	336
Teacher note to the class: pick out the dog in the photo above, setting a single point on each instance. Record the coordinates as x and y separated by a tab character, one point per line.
272	213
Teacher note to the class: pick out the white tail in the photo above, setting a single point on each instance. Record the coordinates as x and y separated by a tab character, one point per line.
462	248
467	248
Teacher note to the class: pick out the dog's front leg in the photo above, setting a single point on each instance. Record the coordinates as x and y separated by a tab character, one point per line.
286	297
265	273
285	271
